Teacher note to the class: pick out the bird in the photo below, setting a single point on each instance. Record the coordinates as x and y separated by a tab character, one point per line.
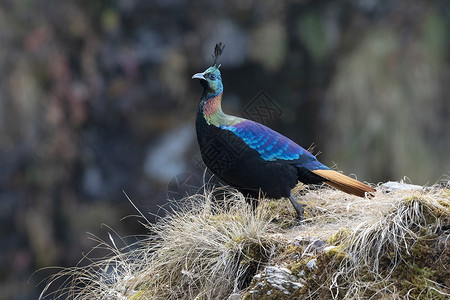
253	158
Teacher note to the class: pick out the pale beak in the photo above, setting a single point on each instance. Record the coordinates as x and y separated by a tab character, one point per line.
198	76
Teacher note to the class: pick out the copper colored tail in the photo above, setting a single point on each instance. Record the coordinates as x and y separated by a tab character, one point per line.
345	183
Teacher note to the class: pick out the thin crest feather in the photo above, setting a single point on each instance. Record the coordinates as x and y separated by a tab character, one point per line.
217	52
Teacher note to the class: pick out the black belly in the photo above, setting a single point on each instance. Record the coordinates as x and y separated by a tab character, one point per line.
240	166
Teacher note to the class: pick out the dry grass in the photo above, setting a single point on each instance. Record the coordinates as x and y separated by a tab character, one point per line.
210	251
202	251
392	246
402	245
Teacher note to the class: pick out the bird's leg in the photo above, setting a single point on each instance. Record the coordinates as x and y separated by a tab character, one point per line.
297	206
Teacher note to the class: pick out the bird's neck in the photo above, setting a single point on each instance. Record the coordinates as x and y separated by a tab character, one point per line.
211	108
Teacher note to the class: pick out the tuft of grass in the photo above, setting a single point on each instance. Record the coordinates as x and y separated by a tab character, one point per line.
398	252
395	245
207	249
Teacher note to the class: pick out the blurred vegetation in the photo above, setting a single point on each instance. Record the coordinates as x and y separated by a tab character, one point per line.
96	98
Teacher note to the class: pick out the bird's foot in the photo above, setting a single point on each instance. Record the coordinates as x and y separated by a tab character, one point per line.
297	206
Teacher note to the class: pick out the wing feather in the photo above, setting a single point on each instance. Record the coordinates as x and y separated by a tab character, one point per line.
271	145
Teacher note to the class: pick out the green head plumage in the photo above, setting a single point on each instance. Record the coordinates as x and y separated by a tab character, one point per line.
211	79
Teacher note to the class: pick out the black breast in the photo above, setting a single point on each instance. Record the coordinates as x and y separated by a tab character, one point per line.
233	161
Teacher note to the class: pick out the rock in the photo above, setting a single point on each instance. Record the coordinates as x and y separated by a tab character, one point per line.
282	279
275	277
392	186
312	243
312	264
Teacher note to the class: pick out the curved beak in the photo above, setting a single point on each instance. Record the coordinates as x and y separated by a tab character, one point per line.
198	76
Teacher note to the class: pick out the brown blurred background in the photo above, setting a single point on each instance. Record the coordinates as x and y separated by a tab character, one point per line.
96	98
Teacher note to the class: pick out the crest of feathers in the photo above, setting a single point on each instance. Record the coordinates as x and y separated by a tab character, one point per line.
217	52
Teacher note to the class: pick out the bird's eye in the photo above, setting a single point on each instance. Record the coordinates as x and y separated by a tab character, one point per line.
212	76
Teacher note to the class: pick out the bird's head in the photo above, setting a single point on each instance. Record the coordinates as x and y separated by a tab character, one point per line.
211	81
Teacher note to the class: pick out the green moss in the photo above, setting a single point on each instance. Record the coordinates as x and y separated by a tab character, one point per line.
337	254
278	211
422	268
319	279
339	236
141	295
297	267
292	249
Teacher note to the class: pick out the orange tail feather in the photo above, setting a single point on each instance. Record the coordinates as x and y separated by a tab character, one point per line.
345	183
